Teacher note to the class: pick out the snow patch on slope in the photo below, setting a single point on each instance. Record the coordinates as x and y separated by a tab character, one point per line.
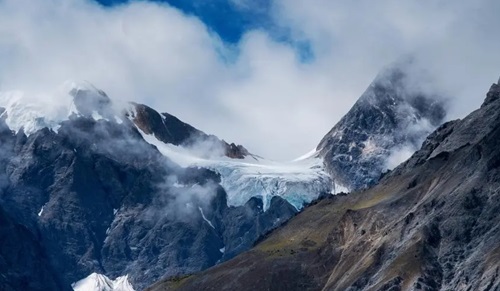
41	210
33	111
205	218
98	282
299	182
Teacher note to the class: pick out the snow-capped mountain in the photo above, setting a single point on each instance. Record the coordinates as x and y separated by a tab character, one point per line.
102	187
243	174
94	196
33	112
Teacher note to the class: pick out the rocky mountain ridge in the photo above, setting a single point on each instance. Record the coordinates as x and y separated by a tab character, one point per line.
430	224
169	129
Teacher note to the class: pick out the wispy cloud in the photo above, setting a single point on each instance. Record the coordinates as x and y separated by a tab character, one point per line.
258	92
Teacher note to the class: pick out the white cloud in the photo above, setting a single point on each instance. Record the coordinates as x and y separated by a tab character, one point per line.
257	93
454	41
398	156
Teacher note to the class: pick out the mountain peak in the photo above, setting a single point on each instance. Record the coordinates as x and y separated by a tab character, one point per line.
32	111
387	123
88	100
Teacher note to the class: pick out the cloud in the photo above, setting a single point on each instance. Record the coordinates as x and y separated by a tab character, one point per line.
453	41
415	136
397	156
258	92
180	201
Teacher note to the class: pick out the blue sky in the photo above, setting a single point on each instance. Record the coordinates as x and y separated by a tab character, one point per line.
225	18
231	21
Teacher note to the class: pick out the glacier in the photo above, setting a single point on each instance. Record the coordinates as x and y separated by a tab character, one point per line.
300	181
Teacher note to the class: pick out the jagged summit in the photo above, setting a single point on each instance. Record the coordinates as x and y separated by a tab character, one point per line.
110	194
387	123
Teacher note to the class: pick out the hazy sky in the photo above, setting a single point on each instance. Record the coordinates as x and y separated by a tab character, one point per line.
272	75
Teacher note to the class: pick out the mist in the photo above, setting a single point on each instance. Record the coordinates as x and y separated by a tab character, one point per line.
260	92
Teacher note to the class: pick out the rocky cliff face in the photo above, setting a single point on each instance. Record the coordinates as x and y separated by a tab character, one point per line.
430	224
386	125
90	195
23	262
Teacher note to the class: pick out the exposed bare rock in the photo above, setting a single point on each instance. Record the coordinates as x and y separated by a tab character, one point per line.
390	117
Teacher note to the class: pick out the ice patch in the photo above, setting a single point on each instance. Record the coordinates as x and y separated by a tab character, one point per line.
223	250
336	189
41	210
98	282
178	185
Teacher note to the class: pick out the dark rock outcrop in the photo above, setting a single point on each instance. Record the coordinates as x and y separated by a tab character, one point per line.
493	94
169	129
430	224
23	263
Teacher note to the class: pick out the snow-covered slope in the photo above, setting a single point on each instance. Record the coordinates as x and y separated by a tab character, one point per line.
34	111
98	282
299	182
